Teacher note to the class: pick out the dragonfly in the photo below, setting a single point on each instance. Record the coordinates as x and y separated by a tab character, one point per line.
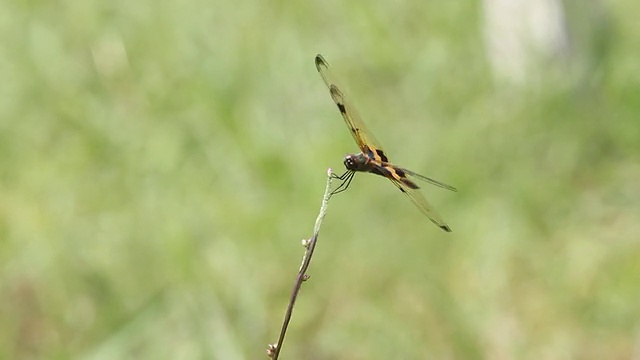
372	158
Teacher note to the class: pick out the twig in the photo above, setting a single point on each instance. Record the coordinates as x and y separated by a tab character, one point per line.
273	350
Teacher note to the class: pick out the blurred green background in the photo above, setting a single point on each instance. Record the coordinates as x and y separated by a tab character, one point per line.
161	161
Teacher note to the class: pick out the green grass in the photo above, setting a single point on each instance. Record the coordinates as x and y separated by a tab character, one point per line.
160	163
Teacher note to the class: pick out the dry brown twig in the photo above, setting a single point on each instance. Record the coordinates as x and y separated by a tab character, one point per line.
273	350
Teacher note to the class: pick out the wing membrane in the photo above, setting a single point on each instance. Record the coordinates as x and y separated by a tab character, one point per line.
420	201
430	180
367	143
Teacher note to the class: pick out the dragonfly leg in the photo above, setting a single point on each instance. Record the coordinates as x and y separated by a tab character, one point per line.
343	176
346	181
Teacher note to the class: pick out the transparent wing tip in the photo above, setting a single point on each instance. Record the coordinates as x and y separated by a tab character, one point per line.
320	61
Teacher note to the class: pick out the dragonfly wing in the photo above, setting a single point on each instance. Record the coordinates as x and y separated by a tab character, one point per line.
367	143
430	180
412	191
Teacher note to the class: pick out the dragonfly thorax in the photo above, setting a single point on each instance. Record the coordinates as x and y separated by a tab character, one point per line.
357	162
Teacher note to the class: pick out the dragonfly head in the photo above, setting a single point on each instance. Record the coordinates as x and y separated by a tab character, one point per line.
357	162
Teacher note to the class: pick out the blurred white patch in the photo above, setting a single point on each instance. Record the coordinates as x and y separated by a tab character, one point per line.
521	36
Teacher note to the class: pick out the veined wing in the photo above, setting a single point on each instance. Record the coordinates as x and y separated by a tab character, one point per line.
399	179
363	137
430	180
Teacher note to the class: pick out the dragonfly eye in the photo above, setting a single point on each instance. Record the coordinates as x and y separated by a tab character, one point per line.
348	162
